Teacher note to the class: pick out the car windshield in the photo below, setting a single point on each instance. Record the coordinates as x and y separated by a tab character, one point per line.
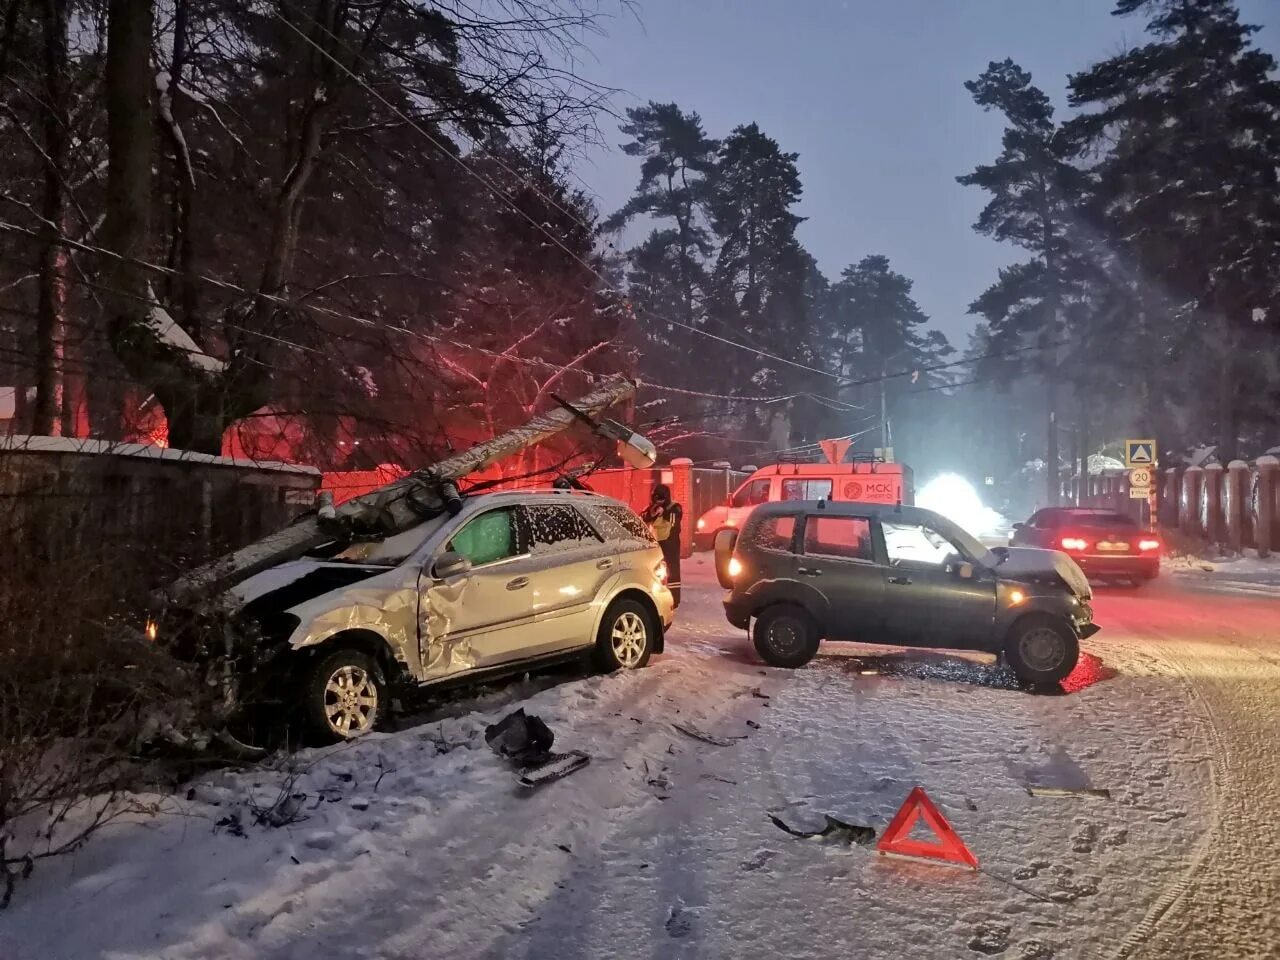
391	550
969	546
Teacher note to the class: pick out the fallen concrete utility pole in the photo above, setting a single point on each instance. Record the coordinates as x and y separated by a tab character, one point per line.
391	508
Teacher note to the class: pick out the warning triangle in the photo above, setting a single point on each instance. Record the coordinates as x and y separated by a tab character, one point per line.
897	836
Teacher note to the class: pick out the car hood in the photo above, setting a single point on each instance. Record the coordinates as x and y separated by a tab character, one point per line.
293	582
1033	563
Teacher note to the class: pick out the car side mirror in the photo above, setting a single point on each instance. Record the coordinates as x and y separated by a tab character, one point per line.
1019	526
960	569
449	565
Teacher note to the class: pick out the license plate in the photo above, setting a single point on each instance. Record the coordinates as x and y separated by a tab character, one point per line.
1108	547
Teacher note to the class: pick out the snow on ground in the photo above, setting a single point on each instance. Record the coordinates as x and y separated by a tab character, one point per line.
417	844
1246	573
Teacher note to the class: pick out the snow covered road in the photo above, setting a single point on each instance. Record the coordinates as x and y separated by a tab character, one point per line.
417	844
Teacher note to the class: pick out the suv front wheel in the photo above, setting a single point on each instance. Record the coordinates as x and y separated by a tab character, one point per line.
1041	650
344	695
785	637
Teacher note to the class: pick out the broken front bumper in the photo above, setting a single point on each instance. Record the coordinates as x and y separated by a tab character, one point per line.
1083	622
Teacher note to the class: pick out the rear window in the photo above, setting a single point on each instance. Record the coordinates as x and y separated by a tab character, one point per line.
617	522
848	538
806	489
775	534
1056	519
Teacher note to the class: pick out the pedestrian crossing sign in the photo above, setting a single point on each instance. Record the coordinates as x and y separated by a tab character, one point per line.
1139	453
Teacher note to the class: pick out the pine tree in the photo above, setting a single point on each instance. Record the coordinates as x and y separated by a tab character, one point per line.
760	271
678	156
879	331
1191	182
1033	187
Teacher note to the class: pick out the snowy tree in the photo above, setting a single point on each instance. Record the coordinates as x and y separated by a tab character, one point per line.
1033	187
1188	126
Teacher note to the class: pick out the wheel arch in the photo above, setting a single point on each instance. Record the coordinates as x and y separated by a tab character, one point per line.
367	641
790	593
646	601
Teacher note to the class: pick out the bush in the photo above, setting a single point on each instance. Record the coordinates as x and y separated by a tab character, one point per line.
80	690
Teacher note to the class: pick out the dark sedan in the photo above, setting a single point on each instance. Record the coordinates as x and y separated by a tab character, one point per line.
1106	544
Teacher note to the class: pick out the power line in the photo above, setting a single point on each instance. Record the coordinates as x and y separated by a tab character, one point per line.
542	228
502	196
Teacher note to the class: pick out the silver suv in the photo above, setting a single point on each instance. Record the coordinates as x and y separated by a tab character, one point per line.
513	580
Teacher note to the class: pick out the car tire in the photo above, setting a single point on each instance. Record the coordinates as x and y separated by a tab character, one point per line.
1041	650
785	636
627	636
344	695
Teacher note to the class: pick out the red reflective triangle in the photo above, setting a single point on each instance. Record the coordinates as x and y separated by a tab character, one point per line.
896	837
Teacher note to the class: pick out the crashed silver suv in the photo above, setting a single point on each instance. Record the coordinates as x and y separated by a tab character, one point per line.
512	580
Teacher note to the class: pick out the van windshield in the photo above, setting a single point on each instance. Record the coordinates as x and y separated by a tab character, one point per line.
750	494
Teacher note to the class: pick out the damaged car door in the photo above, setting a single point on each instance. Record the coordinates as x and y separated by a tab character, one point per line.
481	617
567	572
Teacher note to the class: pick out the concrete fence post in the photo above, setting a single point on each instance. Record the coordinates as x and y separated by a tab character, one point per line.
1211	503
1189	502
1264	519
1168	499
1234	495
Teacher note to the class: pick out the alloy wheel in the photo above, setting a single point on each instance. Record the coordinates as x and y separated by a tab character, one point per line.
629	638
350	701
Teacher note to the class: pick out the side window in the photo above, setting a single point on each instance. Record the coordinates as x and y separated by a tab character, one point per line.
848	538
797	488
914	543
488	538
557	526
752	494
775	534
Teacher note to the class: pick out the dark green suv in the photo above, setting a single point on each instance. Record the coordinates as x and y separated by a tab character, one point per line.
802	572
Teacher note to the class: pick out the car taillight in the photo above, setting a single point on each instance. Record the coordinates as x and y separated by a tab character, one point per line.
735	566
660	572
702	524
1148	544
153	630
1074	543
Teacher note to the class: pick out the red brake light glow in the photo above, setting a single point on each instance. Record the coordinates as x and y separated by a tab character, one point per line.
1148	544
1074	543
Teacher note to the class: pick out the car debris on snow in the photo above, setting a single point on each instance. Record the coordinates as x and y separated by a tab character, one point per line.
696	734
1097	794
835	829
526	740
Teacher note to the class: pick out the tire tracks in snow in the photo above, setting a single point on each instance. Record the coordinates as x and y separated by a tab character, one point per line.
1204	914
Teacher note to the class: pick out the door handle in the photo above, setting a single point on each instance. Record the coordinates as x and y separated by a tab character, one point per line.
519	583
900	581
808	572
605	564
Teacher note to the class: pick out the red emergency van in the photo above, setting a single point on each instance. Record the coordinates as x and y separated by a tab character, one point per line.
868	481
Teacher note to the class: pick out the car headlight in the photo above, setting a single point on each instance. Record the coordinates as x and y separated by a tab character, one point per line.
702	524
